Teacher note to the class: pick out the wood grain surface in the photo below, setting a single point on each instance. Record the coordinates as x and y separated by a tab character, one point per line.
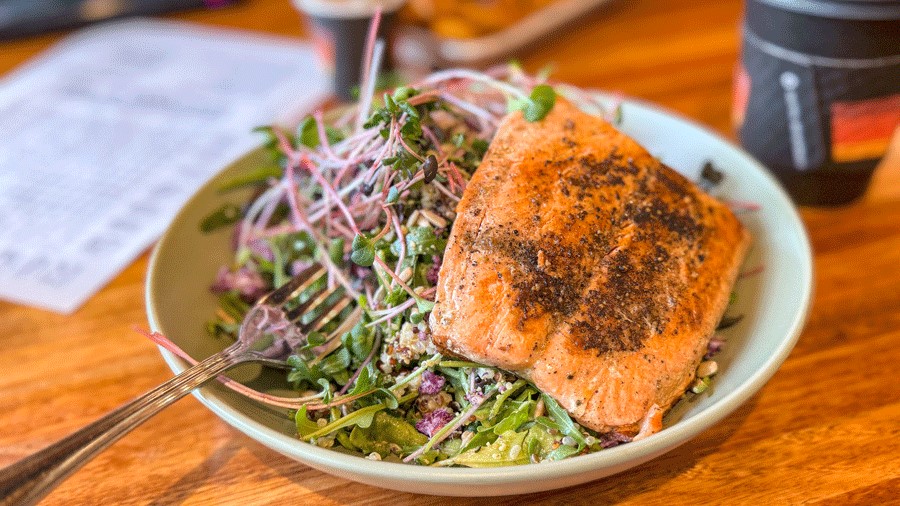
824	430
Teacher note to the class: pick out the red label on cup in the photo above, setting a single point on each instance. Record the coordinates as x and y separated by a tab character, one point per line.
323	44
741	96
862	129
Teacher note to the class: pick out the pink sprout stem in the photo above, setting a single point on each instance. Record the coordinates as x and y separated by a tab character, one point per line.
370	65
759	269
742	206
323	136
273	400
410	150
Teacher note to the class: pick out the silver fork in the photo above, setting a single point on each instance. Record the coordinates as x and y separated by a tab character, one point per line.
29	480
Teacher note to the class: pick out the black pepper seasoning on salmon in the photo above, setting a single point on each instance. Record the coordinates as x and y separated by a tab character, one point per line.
586	254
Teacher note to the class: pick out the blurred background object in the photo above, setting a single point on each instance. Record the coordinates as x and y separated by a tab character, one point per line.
340	30
22	18
421	35
466	19
479	32
817	95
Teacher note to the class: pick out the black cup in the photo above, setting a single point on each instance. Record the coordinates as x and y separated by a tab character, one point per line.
340	29
817	96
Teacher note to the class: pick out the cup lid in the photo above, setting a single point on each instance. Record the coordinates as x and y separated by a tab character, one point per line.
346	9
841	9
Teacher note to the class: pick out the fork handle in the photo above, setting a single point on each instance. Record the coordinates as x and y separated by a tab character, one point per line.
29	480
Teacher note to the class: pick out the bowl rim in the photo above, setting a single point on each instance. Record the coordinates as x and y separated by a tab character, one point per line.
622	455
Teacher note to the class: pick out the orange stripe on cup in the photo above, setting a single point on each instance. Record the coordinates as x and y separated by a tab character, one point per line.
862	129
740	96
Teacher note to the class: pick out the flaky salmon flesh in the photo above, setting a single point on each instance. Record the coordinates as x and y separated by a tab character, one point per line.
582	263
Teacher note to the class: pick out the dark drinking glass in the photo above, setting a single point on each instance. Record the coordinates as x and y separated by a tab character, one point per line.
817	95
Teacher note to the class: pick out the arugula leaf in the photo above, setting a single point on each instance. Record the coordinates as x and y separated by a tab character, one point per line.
366	384
285	249
618	116
305	426
361	417
271	141
344	439
566	425
296	245
480	147
729	321
233	305
539	442
458	378
308	133
218	328
365	381
279	263
562	452
387	397
502	396
481	438
507	450
385	431
515	419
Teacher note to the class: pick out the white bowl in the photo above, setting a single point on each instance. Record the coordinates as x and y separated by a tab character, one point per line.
774	303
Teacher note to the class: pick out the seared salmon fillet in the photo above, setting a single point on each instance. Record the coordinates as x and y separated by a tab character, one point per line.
583	264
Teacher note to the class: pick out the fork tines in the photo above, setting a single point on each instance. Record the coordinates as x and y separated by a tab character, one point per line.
294	287
328	305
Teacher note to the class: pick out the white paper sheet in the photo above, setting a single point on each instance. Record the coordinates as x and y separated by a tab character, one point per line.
103	138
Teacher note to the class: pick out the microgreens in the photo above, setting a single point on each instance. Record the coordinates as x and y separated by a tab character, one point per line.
537	105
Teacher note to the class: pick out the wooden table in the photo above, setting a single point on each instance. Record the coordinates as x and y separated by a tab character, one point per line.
825	429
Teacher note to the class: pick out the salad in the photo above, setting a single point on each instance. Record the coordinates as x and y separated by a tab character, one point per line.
369	192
